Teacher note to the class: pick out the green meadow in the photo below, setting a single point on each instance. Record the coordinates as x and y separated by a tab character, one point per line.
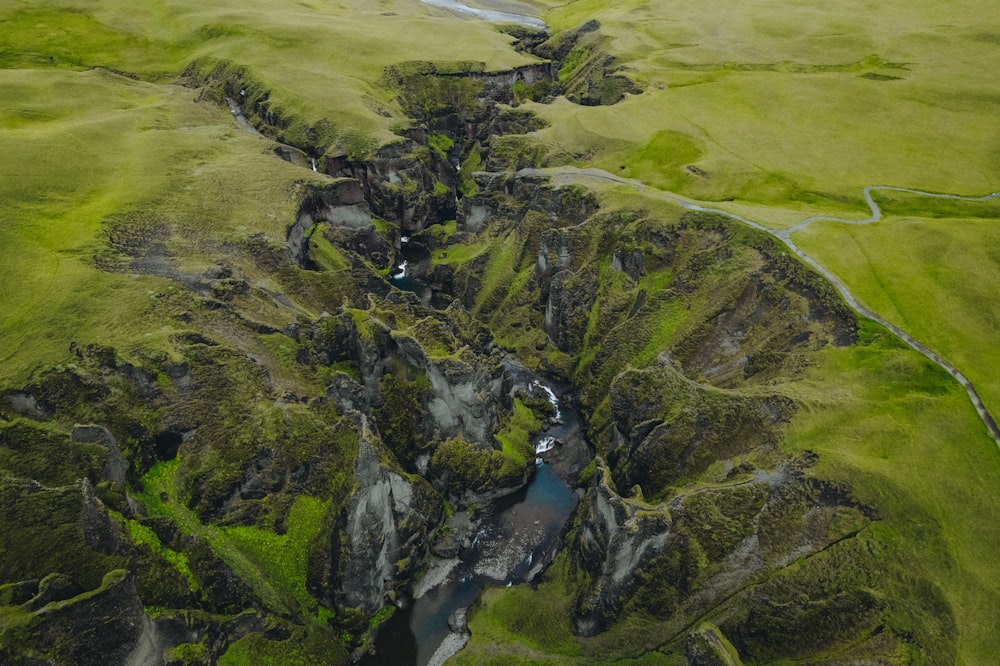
82	147
320	59
934	277
790	103
896	427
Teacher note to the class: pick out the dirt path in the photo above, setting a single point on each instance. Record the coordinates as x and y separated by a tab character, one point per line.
784	235
876	211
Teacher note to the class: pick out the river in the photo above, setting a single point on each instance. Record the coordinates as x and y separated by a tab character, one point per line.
494	12
513	540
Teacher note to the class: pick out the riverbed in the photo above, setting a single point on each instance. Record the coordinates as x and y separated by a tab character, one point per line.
513	540
497	12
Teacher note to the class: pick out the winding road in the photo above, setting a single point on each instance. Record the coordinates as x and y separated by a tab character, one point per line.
784	235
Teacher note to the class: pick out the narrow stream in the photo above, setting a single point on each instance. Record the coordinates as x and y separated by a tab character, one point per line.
516	538
495	15
411	255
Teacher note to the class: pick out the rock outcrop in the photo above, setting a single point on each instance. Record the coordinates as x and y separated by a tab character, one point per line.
97	627
615	541
385	531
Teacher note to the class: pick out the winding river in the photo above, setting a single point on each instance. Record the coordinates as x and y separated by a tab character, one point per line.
511	543
496	15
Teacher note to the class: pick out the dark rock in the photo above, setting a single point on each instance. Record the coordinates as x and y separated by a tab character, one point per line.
458	620
615	540
99	627
385	529
708	647
15	594
54	587
115	465
630	262
99	531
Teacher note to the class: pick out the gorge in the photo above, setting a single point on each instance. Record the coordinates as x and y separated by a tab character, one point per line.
437	388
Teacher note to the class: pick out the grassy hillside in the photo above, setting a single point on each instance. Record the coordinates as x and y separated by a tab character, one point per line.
320	59
932	273
121	189
790	101
85	150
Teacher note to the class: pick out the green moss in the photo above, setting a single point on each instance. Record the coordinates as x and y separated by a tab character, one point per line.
42	531
515	437
304	648
441	144
282	558
473	162
143	536
403	391
29	451
466	467
189	654
323	252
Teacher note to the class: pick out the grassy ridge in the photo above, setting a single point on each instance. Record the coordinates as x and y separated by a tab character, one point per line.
905	436
320	59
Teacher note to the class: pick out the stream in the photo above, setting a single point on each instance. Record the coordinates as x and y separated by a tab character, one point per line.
510	542
496	15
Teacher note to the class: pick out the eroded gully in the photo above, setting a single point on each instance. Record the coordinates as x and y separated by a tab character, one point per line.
784	235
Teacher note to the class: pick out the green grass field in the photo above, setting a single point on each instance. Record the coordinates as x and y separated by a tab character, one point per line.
905	436
787	103
933	277
320	59
80	147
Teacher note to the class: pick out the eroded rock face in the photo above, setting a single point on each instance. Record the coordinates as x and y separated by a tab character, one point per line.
339	212
466	394
511	197
615	541
665	427
115	465
771	551
464	400
404	184
385	531
98	627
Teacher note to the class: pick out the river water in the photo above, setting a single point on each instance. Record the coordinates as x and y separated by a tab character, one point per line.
496	12
515	539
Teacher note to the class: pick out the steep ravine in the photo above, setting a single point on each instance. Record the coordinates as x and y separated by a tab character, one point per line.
312	486
508	542
650	550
